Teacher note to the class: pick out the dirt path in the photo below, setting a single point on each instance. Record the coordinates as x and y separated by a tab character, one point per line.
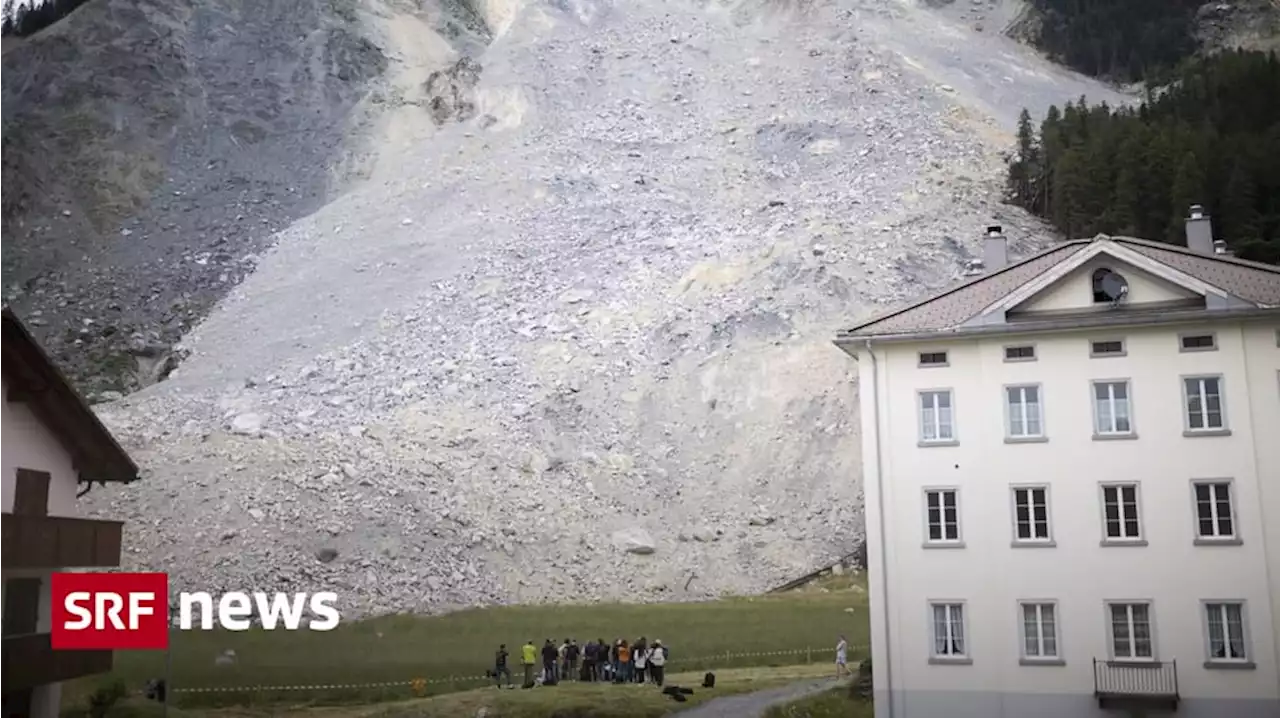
753	705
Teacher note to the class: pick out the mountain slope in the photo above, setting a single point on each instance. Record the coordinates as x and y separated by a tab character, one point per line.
600	303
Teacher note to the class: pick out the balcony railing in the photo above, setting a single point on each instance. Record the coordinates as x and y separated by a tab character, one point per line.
60	542
1120	684
29	661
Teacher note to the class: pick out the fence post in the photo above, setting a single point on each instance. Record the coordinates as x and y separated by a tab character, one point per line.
727	658
808	652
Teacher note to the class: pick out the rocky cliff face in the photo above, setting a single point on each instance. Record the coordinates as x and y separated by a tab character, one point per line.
151	149
569	333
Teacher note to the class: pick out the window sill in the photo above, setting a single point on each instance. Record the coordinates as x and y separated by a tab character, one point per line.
942	544
1033	544
931	444
1041	662
1025	439
950	661
1218	541
1230	665
1196	433
933	366
1112	543
1115	437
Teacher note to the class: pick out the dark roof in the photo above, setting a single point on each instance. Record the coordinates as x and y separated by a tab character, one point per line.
948	309
33	380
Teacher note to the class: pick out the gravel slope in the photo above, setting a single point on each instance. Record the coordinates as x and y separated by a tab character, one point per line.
574	340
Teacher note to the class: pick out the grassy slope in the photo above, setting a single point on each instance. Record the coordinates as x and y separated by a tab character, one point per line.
451	651
564	701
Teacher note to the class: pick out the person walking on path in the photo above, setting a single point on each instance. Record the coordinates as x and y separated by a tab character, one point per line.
657	662
842	658
500	667
528	657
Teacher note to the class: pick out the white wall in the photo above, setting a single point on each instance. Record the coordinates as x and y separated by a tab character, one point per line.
27	444
991	576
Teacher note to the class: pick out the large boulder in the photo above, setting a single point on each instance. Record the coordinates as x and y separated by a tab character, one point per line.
634	539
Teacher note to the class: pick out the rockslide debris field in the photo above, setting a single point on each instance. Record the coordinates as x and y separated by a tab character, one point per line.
569	337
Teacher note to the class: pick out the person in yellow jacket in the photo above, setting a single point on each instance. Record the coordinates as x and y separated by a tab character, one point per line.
528	658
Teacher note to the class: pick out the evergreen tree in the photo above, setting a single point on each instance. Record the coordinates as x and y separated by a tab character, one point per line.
1239	204
1026	166
1187	189
1212	138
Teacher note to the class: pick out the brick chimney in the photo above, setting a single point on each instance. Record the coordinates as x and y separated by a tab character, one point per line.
995	249
1199	231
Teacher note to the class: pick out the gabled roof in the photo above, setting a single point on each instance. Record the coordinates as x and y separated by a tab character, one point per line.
32	379
1256	284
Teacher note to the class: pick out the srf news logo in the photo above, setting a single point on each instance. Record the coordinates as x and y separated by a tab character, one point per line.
130	611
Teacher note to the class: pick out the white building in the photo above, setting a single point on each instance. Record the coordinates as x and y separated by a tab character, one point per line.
1072	480
53	444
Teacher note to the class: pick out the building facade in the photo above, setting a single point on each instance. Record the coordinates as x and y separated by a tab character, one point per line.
1072	481
54	449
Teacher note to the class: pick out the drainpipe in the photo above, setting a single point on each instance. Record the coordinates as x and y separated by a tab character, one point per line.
884	562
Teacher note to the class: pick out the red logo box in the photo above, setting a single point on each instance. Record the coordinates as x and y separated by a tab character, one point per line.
109	611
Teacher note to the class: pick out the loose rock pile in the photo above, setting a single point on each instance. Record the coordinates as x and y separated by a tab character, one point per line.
579	346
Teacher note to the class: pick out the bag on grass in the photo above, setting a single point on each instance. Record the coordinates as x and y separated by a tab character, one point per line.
709	680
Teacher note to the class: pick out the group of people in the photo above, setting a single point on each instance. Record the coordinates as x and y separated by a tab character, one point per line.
598	661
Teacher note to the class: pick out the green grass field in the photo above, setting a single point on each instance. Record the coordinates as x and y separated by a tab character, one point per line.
451	653
563	701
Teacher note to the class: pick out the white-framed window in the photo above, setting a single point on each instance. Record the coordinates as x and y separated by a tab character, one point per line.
937	416
1215	510
1020	352
949	636
1202	402
1112	408
1225	632
1120	516
1025	412
1107	348
1129	627
1031	514
942	516
1199	342
1039	630
933	359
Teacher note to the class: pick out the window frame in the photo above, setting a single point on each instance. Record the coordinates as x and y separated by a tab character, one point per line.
965	656
1057	659
1151	631
1034	542
1235	539
1187	430
1035	355
1183	336
1094	354
958	541
1108	540
1093	410
1009	437
921	363
952	440
1210	662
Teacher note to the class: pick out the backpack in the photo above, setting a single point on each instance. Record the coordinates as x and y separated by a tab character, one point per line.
709	680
